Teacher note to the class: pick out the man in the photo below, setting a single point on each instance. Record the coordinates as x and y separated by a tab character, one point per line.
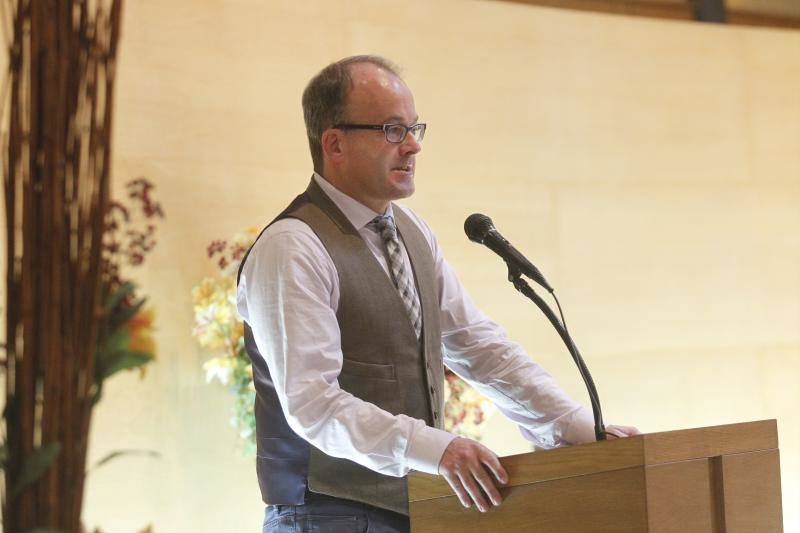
348	304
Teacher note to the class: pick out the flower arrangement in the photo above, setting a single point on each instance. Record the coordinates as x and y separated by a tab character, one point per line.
219	329
465	409
125	335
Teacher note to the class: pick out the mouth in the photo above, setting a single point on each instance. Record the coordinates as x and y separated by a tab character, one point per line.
407	168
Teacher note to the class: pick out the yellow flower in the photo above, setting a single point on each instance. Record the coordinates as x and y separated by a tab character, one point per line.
247	237
204	291
140	329
208	335
223	315
237	332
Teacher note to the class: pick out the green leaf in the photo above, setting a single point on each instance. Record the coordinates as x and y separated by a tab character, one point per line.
108	352
118	360
35	465
118	453
117	313
126	313
112	353
118	340
118	295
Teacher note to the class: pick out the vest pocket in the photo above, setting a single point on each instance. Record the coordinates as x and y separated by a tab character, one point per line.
352	367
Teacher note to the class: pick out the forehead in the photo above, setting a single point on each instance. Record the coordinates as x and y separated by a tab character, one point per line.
378	94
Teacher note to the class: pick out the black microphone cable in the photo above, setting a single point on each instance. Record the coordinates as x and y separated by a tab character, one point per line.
480	228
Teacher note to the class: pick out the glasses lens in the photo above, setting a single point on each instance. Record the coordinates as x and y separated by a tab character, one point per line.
395	133
418	131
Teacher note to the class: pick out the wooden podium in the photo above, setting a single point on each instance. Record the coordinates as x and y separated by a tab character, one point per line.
714	479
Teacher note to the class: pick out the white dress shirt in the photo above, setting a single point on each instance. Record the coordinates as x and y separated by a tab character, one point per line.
289	293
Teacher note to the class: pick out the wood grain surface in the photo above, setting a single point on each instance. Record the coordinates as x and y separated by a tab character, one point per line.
714	479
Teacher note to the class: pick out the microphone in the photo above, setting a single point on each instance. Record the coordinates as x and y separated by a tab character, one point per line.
480	228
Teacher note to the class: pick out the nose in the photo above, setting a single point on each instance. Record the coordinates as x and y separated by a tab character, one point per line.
410	145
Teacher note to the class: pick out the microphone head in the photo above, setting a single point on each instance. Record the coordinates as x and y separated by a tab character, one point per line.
477	227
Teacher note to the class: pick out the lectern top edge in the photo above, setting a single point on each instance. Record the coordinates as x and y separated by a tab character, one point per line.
617	454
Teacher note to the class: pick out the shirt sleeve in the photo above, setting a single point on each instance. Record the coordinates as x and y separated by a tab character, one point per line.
479	351
288	297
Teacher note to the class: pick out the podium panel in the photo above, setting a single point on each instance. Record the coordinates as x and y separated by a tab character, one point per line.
749	484
681	497
613	499
716	479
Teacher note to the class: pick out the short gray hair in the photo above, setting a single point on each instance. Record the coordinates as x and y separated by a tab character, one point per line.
325	99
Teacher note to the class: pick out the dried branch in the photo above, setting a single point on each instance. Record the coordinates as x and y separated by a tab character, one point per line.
56	189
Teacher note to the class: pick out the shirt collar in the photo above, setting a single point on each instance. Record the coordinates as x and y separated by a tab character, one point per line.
357	213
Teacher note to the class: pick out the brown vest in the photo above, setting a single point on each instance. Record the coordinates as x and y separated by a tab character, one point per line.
384	363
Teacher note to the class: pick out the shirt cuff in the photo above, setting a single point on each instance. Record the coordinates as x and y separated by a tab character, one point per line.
581	428
426	448
576	427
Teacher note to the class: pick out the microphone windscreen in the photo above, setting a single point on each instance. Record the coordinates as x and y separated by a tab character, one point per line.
477	226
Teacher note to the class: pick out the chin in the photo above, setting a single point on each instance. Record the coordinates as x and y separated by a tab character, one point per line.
397	185
405	190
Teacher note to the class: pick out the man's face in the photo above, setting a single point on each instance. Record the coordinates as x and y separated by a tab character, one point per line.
374	170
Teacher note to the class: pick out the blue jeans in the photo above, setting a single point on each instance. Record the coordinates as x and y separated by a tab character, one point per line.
326	514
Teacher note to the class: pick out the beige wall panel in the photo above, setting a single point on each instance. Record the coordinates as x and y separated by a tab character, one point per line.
670	269
771	58
556	112
651	169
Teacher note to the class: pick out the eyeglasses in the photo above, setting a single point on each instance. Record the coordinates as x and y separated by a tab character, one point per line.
395	133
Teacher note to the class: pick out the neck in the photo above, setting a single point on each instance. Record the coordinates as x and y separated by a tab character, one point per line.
379	206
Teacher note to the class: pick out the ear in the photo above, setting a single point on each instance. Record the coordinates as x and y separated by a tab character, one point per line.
332	144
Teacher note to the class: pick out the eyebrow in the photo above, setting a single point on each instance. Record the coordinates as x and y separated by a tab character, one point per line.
394	119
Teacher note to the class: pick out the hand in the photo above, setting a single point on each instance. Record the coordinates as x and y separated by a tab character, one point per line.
618	432
464	465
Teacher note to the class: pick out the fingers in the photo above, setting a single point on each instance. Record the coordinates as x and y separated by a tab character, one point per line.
468	480
488	486
493	463
467	465
458	488
622	431
490	461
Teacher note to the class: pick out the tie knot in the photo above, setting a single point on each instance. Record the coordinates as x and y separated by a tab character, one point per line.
383	224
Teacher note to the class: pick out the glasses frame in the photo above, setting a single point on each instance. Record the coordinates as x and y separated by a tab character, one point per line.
385	129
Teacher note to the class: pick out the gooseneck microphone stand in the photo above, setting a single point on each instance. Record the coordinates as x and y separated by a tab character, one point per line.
515	277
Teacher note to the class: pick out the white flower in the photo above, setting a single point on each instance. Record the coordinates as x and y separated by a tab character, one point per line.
217	368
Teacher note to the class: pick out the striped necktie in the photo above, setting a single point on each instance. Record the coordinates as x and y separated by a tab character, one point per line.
402	279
